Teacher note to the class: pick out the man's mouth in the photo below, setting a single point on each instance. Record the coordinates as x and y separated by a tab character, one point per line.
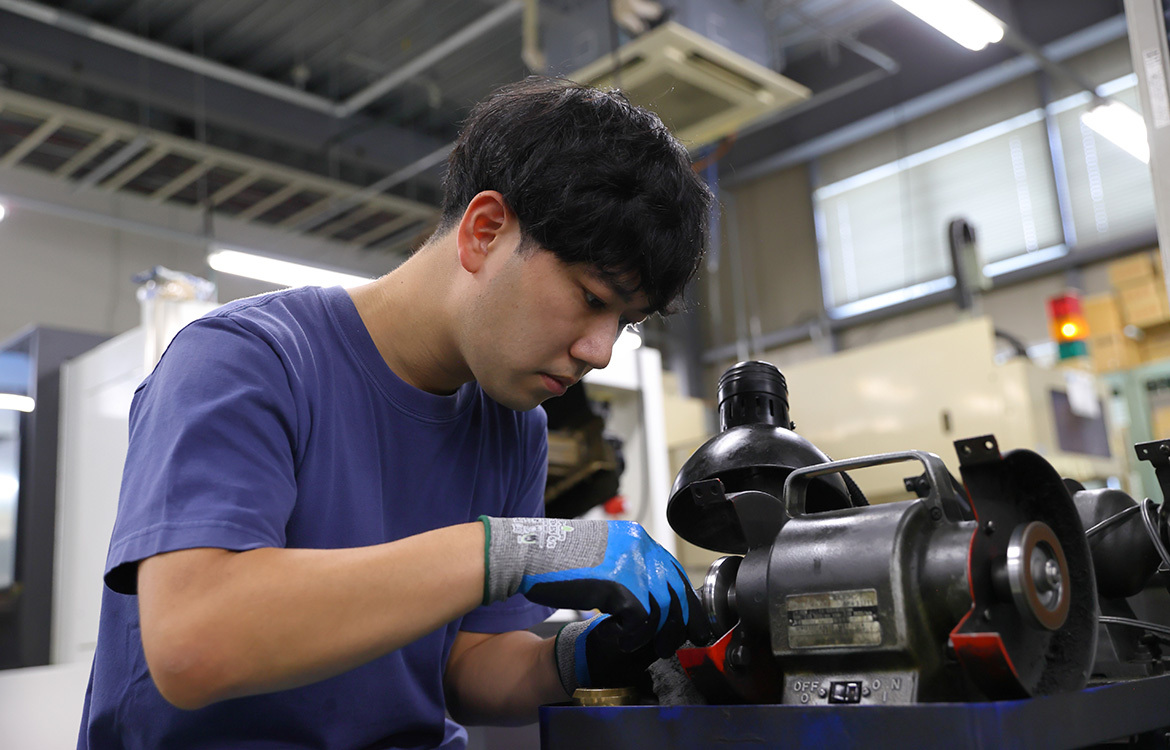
555	385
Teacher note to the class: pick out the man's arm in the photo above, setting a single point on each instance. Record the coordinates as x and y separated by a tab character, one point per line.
501	678
218	624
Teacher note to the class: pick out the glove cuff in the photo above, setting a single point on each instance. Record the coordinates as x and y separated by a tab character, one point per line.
572	667
519	547
487	559
504	560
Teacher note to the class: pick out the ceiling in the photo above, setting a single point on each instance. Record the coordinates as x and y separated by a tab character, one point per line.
332	119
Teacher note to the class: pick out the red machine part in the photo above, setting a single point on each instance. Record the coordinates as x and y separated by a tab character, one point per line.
730	671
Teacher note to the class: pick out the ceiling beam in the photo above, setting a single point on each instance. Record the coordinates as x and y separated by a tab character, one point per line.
140	165
164	53
113	163
234	187
262	206
31	141
381	186
189	175
84	155
80	64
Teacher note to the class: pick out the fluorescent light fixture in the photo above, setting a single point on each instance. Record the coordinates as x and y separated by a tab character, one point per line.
1121	125
3	211
962	20
13	402
630	338
282	272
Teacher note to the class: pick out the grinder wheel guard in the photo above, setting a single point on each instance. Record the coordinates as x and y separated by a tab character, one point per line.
980	592
1041	640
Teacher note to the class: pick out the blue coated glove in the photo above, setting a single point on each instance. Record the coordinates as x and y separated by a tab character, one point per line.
613	566
588	656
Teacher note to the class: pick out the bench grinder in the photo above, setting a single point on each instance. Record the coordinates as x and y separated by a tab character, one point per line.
979	591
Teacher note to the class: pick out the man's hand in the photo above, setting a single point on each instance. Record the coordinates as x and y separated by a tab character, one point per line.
588	656
613	566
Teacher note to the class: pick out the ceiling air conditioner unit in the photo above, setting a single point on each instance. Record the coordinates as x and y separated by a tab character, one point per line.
683	69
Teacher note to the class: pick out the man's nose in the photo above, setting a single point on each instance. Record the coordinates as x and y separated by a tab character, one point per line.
595	347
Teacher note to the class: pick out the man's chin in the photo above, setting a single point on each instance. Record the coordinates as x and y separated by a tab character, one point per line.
517	401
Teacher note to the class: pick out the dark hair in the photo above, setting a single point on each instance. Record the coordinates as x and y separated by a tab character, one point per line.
592	178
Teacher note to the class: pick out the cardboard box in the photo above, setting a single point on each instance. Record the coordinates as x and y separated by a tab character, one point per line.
1160	423
686	420
1132	269
1156	344
1102	314
1113	352
1144	303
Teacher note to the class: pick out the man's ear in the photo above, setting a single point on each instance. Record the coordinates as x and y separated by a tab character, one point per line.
486	225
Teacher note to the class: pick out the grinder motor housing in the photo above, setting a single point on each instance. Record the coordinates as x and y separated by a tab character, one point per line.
944	597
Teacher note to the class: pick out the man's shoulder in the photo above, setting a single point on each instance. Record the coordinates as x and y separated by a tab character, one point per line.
290	330
272	306
290	318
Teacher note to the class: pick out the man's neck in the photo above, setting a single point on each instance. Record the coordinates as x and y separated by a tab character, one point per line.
407	316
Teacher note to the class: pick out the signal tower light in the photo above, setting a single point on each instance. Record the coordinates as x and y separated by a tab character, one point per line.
1068	326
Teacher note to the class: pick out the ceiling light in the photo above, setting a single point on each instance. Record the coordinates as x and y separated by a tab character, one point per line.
14	402
962	20
1122	126
282	272
3	211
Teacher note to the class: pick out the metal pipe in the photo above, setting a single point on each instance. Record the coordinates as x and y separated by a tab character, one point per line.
1022	44
397	77
835	92
1094	36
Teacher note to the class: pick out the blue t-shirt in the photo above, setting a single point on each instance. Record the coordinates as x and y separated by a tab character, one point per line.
275	422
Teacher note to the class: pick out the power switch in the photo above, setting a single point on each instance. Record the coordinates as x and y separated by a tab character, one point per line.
845	692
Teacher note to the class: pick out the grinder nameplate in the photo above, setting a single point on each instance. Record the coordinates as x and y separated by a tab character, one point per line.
834	618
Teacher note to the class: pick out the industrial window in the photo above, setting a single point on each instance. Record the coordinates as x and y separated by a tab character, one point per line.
1110	192
882	232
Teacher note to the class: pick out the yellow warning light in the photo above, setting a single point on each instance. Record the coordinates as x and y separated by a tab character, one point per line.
1069	330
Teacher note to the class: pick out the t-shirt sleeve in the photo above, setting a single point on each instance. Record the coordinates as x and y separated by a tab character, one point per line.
211	455
517	613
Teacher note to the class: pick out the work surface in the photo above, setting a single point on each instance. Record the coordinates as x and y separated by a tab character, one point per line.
1070	720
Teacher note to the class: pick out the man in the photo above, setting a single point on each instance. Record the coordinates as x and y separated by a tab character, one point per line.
328	533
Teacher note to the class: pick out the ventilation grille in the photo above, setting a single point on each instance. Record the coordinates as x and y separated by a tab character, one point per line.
701	90
99	153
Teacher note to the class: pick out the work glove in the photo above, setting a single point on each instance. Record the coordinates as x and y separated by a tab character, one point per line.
588	656
613	566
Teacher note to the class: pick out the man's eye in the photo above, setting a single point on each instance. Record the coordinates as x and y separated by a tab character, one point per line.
597	303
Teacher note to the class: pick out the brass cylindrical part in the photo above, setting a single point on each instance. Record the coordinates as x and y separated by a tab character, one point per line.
625	696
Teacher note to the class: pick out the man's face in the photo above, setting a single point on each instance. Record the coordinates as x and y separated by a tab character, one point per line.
538	325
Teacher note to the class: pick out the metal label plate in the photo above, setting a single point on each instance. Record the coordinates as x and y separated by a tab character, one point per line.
873	688
834	618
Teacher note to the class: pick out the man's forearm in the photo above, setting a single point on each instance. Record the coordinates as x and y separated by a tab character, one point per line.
219	624
502	679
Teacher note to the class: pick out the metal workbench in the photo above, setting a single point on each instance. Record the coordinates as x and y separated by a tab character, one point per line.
1070	720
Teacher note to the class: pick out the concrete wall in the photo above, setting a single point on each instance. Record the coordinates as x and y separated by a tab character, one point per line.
66	258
